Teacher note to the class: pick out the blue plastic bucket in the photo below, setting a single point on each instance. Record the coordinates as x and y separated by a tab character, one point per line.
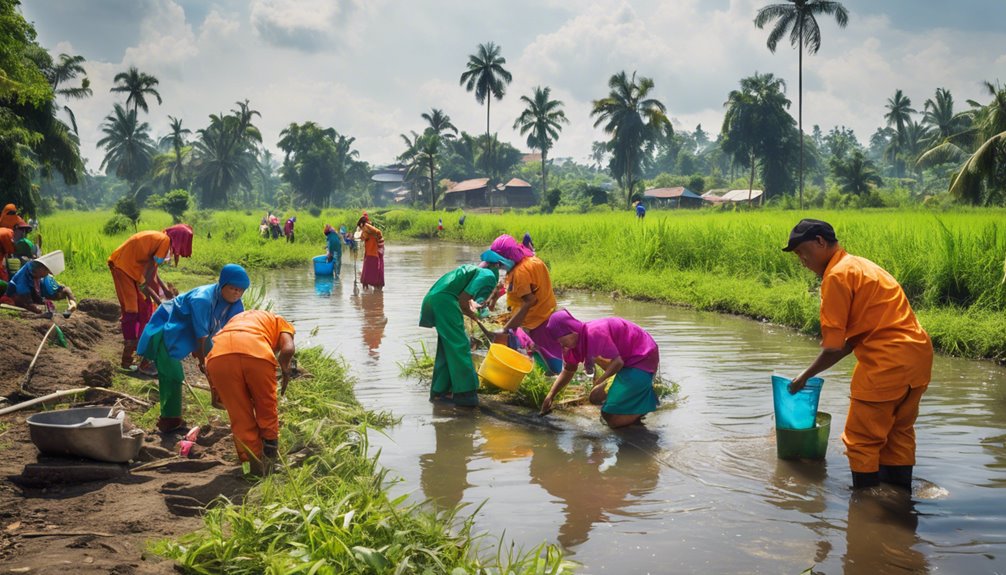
323	267
795	410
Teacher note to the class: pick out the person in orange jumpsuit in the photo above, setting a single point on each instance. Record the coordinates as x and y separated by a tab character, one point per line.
134	271
864	311
242	369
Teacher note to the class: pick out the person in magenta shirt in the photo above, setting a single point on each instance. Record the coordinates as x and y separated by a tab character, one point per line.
623	350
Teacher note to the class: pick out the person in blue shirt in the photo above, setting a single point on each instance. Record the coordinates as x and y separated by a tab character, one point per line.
33	284
640	210
186	325
333	241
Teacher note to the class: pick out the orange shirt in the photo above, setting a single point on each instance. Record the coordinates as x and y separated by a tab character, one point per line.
254	332
865	306
531	276
135	253
6	241
372	240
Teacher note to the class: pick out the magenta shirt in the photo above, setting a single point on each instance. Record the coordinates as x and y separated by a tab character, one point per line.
613	337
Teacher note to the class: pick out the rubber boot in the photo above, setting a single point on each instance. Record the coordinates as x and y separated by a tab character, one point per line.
862	480
466	399
897	475
169	424
128	349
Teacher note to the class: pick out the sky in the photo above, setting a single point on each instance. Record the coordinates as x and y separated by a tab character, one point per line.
369	68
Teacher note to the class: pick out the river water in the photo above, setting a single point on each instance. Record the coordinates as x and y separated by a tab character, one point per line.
700	488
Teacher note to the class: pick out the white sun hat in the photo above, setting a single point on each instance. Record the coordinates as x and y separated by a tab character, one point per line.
53	261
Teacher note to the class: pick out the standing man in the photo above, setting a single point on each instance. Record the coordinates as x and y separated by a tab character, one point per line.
864	311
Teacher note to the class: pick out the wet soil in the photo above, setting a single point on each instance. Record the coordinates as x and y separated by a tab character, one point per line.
53	522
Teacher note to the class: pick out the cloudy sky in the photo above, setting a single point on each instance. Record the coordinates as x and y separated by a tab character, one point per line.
369	68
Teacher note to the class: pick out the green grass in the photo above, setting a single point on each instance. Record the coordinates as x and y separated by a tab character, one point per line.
949	263
331	514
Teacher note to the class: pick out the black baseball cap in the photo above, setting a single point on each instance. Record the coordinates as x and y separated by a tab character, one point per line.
807	230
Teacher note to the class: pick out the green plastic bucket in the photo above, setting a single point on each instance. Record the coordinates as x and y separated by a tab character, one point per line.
804	443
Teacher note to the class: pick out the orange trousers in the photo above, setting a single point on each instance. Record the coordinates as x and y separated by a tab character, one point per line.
247	387
882	432
127	290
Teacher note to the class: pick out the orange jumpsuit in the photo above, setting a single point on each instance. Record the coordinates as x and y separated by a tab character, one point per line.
127	264
242	369
865	306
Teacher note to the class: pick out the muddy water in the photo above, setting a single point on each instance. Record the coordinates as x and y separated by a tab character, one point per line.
700	488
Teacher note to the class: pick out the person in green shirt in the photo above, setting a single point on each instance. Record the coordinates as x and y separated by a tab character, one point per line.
455	295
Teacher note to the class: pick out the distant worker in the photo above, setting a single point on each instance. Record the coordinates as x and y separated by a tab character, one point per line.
372	274
333	248
34	284
640	210
9	217
288	229
242	367
864	311
623	350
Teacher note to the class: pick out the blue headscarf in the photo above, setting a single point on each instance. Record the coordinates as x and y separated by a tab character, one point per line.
195	314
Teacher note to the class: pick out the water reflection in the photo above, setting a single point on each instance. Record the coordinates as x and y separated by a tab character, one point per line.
371	303
880	534
323	285
443	474
596	479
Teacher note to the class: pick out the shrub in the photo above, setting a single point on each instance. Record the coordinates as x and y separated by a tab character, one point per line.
116	225
315	211
176	203
127	208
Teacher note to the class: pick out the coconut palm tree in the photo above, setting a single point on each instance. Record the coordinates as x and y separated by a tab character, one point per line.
440	129
899	114
940	118
981	149
225	155
856	174
635	122
129	150
440	123
176	139
486	76
799	18
138	86
69	68
541	121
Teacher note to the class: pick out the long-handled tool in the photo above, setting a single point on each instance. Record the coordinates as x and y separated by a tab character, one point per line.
486	332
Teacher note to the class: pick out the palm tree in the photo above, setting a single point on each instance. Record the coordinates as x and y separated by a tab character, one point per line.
798	17
856	174
440	128
226	154
486	76
67	69
177	141
940	118
542	121
981	149
898	116
129	150
635	123
138	86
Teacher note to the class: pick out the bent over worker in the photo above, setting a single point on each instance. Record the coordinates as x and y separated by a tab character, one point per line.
242	367
455	293
186	325
864	311
623	350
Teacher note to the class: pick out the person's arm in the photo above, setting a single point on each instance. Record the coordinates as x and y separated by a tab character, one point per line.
598	393
66	292
200	353
150	281
560	382
24	301
286	351
827	358
468	305
517	319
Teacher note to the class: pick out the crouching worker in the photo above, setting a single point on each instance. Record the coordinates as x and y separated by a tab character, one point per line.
242	367
452	297
623	349
33	284
864	311
184	325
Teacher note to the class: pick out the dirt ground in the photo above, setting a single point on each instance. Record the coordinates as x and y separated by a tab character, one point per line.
52	523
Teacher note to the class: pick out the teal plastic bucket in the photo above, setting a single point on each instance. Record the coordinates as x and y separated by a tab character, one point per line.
323	267
795	410
804	443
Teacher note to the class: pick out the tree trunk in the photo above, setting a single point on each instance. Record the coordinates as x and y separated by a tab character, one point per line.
544	188
489	142
433	192
800	110
751	180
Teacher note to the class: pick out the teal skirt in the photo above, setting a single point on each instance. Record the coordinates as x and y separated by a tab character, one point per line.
631	393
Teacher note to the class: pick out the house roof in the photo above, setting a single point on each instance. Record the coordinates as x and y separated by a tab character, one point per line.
741	195
387	177
666	193
468	185
517	183
531	157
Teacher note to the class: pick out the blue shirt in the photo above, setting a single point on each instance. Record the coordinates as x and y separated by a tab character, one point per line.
197	313
334	243
23	283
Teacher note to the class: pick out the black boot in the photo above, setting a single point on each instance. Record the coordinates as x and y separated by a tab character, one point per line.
897	475
862	480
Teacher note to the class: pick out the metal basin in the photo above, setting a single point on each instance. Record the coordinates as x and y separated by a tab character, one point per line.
93	432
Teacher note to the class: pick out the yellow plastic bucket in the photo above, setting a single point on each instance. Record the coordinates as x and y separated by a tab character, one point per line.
504	367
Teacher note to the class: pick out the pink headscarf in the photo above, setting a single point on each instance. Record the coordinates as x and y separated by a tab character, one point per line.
181	239
562	323
329	229
508	247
